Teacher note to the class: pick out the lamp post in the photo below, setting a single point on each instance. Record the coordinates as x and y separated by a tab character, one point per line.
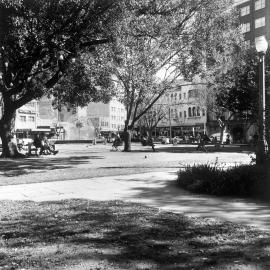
262	148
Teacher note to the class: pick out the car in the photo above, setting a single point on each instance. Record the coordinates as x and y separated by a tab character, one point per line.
177	140
165	140
224	139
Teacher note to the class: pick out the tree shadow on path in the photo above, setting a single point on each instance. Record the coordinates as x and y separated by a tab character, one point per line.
17	167
165	194
192	149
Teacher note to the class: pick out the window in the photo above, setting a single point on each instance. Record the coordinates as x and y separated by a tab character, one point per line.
180	96
185	114
259	37
245	27
180	114
193	111
245	10
259	4
31	119
198	111
260	22
184	95
189	112
193	93
23	118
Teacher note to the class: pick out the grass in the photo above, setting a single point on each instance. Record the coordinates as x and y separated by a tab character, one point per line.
82	234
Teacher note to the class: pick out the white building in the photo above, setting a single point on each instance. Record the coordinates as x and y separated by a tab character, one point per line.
108	117
26	119
185	114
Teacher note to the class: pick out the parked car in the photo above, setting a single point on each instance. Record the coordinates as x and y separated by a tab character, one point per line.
165	140
177	140
226	135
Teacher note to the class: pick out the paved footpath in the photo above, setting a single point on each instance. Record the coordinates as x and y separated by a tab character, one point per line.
156	189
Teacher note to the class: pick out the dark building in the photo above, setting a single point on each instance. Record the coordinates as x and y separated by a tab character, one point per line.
254	18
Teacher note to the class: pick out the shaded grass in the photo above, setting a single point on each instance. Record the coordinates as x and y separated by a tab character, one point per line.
82	234
64	174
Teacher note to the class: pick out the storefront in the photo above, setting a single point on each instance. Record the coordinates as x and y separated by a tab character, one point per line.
180	130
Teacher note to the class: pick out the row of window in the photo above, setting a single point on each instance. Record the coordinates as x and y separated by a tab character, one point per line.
191	94
104	124
114	109
260	22
118	126
192	112
259	4
247	42
23	118
117	118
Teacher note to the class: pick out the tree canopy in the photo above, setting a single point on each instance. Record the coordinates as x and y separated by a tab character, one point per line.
159	42
39	42
146	46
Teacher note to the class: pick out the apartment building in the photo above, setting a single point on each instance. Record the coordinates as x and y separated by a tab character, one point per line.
109	117
185	114
254	18
26	119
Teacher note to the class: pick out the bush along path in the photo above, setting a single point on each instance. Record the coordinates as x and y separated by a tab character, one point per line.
82	234
250	181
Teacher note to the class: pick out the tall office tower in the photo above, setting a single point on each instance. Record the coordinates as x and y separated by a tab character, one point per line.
254	18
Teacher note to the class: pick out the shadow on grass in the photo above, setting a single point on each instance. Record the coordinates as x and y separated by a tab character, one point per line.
17	167
192	149
121	234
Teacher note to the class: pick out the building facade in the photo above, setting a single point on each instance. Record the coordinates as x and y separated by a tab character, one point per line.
109	117
185	114
26	119
254	19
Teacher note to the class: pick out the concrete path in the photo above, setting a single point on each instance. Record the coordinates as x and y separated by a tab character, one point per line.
156	189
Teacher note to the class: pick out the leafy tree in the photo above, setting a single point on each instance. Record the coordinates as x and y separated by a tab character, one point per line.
38	42
158	42
239	90
149	121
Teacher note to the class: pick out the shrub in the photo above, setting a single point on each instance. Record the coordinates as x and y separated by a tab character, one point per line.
214	179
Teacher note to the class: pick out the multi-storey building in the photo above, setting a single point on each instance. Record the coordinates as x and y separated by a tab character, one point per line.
185	114
109	117
26	119
254	19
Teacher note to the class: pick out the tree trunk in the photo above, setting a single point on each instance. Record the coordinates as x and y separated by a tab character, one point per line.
127	141
6	126
222	128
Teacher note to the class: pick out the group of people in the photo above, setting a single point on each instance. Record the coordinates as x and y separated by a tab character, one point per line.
43	145
117	142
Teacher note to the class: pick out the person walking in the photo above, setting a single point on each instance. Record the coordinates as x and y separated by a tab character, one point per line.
202	141
116	142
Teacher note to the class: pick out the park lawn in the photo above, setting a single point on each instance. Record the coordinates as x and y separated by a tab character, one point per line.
81	234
